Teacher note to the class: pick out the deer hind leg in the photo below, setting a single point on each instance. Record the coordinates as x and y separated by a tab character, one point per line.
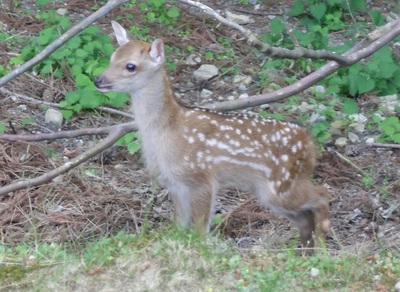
312	216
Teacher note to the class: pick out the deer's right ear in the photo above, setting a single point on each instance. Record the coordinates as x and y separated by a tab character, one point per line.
121	34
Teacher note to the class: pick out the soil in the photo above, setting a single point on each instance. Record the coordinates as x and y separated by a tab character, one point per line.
112	192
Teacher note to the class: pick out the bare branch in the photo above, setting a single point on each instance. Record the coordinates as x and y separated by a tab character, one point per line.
273	52
66	134
385	145
358	52
110	5
113	136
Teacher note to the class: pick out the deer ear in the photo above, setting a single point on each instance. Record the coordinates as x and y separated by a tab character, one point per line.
157	51
121	34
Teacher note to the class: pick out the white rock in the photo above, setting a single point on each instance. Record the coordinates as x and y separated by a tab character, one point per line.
244	95
358	127
238	18
304	107
193	59
231	97
358	118
205	72
389	103
205	93
342	141
242	79
397	287
54	117
22	107
314	272
370	141
62	11
353	137
319	89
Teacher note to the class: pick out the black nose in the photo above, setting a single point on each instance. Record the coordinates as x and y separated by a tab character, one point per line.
97	81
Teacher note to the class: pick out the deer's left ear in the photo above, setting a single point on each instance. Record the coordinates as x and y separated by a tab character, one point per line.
121	34
157	51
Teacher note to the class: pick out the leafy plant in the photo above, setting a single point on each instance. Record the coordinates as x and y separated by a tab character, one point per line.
131	140
390	128
157	10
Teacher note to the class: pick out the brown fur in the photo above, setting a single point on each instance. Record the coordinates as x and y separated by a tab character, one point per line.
195	152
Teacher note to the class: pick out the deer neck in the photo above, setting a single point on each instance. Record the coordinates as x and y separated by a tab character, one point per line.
154	105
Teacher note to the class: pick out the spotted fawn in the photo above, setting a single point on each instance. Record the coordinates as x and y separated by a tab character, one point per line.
195	152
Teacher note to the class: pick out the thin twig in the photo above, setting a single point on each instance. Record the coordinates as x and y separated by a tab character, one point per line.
66	134
385	145
350	163
112	137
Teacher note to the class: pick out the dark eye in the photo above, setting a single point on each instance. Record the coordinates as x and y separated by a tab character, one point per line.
131	67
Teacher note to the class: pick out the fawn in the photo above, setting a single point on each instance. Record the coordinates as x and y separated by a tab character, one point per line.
194	152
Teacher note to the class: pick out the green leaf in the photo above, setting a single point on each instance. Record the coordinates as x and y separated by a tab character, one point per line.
298	8
2	128
67	114
74	43
173	12
91	99
358	5
365	84
83	81
42	2
377	17
318	10
277	25
27	121
388	70
72	97
133	147
81	53
117	99
350	106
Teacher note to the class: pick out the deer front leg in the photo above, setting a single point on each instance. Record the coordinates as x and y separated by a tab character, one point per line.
193	205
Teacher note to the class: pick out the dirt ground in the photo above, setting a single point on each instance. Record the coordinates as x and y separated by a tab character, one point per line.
112	192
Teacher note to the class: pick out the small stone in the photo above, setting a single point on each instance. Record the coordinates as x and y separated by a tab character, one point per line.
54	117
358	118
397	287
242	79
358	127
389	104
338	124
319	89
238	18
231	97
353	137
22	107
205	93
305	107
193	59
205	72
341	142
62	11
370	141
314	272
264	106
244	95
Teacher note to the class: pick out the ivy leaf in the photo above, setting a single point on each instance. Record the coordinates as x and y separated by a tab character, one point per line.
318	10
173	12
388	70
91	99
365	84
133	147
67	114
2	128
350	106
277	25
297	9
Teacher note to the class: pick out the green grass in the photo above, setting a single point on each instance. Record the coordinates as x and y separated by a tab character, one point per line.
176	260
